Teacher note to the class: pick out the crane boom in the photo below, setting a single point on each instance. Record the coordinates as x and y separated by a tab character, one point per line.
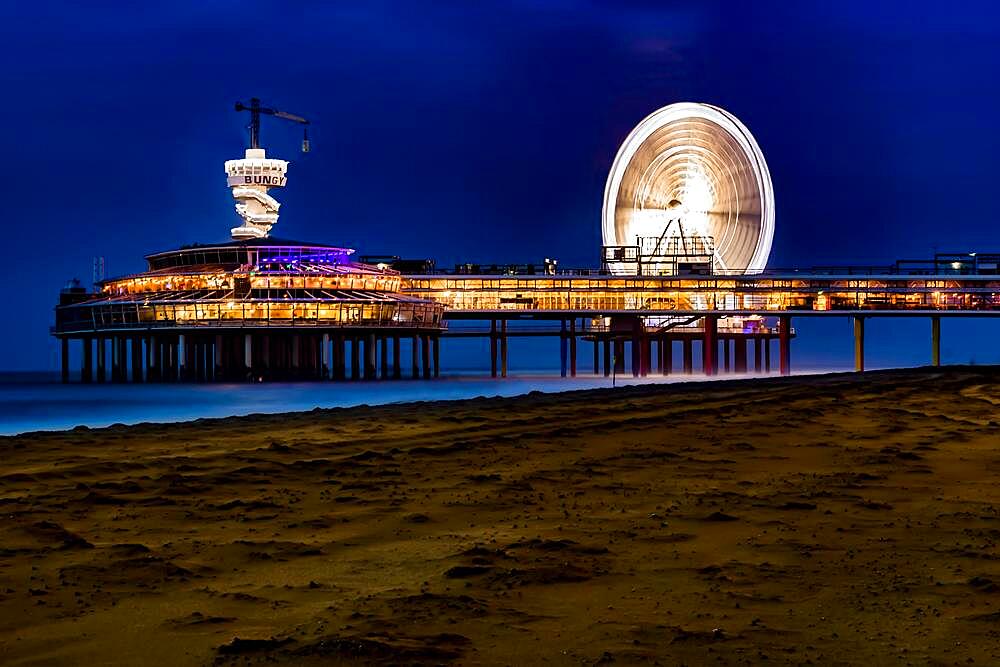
256	110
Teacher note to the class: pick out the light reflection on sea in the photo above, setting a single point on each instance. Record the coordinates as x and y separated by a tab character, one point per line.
38	402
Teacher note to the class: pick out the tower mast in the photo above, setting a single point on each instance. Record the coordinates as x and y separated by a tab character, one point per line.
251	177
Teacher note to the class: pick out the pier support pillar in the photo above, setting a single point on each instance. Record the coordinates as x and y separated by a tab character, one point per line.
64	358
493	348
645	355
597	356
218	359
619	360
607	357
935	340
425	352
740	354
436	340
136	359
503	348
758	350
688	345
101	352
116	359
116	373
767	354
150	349
562	348
397	371
87	370
859	344
710	348
572	348
248	357
356	358
325	357
337	357
666	355
370	357
415	358
384	361
725	354
636	348
182	349
785	344
202	359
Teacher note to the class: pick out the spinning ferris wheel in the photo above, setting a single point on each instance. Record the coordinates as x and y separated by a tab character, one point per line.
689	188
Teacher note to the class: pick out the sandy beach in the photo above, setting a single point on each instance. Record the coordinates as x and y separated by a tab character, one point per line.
830	520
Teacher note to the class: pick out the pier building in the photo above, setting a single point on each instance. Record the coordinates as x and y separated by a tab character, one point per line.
687	224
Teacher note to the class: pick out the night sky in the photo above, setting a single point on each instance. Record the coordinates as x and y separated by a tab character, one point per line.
485	132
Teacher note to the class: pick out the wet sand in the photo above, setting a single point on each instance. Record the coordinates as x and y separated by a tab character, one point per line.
833	520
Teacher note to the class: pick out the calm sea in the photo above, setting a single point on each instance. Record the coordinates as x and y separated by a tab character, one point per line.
38	401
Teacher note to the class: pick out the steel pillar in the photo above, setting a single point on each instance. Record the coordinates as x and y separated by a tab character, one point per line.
725	354
355	358
785	344
935	340
758	350
767	354
384	352
667	355
425	350
101	352
397	371
645	355
415	357
247	357
325	365
859	344
688	345
87	370
370	367
597	356
607	357
503	348
218	359
182	345
740	354
64	358
710	346
493	348
116	357
150	359
636	348
572	348
562	348
619	360
436	342
136	359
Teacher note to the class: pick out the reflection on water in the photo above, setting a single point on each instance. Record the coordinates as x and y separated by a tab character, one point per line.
32	402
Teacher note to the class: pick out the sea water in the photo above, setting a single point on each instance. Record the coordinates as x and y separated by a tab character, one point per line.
39	402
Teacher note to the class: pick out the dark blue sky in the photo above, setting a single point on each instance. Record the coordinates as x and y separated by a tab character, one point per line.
480	133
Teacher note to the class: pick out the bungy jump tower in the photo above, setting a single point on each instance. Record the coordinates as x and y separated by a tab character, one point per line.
251	308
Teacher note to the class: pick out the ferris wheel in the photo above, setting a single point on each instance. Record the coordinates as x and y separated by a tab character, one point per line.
688	181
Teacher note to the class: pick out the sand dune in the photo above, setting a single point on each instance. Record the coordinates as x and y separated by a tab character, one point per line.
828	520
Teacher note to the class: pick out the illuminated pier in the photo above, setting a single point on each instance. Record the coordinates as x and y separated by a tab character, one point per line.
687	226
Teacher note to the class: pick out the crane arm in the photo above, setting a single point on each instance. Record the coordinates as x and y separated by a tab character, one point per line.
256	110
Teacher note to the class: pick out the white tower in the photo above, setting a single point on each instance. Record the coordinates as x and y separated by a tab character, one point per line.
250	179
